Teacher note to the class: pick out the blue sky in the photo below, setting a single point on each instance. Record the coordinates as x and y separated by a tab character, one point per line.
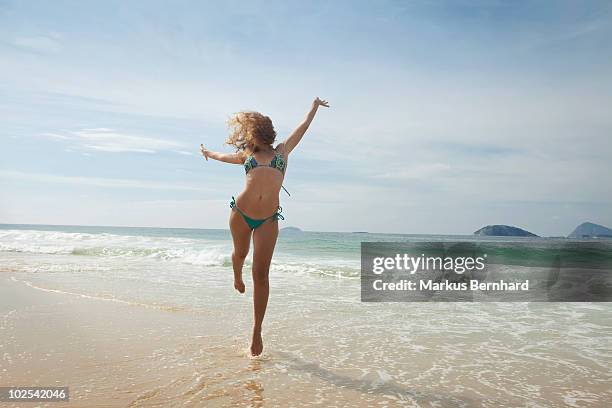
446	116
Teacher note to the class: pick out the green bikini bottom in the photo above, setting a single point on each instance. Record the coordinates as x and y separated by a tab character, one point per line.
252	222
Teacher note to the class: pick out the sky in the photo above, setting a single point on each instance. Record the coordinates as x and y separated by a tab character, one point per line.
445	116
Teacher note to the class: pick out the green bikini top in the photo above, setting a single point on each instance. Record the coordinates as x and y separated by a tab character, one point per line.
277	163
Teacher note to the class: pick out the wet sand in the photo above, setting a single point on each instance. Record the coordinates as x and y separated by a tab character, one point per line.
115	354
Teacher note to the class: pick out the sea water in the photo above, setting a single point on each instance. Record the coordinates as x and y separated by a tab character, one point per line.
323	345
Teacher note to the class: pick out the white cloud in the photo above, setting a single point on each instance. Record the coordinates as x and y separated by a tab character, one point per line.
55	136
110	140
41	43
185	153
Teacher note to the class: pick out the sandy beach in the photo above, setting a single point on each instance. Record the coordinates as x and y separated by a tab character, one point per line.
110	353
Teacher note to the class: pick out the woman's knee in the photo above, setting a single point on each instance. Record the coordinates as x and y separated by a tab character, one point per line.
260	275
240	255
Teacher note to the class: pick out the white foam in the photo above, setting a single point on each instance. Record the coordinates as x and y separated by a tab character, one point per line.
191	251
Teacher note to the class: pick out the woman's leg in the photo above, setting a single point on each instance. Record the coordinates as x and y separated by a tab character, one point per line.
241	236
264	240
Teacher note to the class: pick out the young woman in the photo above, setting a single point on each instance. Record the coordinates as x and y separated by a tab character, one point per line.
256	210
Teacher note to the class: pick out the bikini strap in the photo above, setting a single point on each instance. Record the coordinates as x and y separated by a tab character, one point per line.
278	215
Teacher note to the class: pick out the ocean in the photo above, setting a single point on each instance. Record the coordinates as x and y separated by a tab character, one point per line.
322	344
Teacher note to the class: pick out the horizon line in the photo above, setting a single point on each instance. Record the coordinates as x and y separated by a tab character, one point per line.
289	226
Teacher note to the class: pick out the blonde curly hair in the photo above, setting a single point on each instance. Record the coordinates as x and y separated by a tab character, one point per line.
248	130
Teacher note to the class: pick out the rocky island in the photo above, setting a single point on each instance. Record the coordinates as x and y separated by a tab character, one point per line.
291	229
503	231
590	230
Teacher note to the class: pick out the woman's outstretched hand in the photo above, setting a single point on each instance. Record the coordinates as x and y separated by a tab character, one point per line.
204	151
320	102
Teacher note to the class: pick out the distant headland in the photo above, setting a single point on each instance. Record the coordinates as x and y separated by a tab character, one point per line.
503	231
590	230
291	229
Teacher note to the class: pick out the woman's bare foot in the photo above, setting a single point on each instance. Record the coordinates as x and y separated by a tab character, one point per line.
237	265
239	284
256	342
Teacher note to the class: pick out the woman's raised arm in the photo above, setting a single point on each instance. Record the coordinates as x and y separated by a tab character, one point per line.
297	134
234	158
